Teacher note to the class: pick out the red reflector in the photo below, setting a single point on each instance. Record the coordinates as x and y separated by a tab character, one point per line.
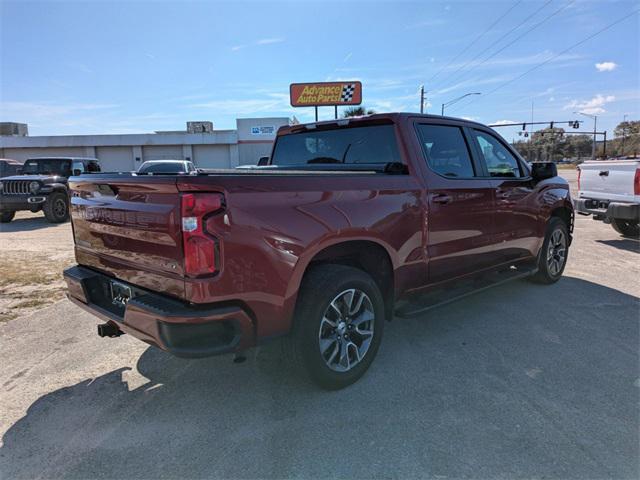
200	246
636	182
579	172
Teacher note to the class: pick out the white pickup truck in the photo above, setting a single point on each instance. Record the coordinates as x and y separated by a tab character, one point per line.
610	191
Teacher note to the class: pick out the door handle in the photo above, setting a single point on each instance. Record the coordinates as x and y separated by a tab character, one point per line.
442	199
502	193
604	173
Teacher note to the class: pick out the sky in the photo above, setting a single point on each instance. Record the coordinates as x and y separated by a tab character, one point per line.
131	67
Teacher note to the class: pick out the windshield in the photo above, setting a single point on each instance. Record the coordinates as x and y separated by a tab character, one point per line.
164	167
359	145
47	166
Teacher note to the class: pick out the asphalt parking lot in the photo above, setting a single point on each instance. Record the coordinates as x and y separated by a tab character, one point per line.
521	381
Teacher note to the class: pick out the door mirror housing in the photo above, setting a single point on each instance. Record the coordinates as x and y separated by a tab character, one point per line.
543	170
77	171
262	161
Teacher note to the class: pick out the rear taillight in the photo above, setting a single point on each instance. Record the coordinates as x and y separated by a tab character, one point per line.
636	182
579	172
201	247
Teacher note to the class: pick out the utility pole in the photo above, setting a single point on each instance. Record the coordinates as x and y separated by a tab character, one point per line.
624	132
446	104
421	98
595	122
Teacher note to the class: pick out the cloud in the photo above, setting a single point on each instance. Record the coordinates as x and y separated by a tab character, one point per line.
269	41
606	66
258	43
503	122
593	106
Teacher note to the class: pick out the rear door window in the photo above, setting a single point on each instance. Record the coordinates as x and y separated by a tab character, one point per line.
375	144
446	150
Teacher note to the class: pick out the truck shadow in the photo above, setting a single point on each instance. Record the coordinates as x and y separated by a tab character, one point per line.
521	381
628	244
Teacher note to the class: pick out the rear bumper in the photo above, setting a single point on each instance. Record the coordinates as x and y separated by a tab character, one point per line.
183	329
605	210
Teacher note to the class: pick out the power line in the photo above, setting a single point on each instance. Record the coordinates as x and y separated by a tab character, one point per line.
474	41
508	82
499	39
549	17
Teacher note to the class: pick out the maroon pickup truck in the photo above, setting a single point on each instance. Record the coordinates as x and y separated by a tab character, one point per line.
351	222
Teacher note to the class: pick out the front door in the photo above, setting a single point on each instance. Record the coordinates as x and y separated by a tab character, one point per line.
459	218
516	208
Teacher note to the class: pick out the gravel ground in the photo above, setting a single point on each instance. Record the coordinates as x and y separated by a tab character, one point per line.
521	381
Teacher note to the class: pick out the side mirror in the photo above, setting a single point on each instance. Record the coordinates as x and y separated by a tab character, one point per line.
76	172
543	170
262	161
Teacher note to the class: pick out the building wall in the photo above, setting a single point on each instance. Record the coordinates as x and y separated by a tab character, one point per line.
217	149
256	136
162	152
115	159
21	154
211	156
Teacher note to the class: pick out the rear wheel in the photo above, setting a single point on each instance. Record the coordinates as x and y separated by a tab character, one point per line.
6	217
626	228
338	325
553	255
56	208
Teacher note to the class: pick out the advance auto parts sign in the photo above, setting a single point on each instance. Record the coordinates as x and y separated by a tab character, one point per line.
326	93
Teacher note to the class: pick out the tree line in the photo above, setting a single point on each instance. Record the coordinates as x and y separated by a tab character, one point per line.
552	144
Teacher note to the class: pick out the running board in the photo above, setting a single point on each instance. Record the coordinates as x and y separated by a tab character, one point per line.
465	288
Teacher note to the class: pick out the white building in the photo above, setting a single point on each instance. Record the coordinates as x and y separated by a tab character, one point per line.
200	143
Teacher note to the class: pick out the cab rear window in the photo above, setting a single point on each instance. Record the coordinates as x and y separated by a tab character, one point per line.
375	144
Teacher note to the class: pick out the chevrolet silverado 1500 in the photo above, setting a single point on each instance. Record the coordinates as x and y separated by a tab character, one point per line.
351	222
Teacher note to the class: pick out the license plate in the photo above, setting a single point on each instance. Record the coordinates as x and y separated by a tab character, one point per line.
120	293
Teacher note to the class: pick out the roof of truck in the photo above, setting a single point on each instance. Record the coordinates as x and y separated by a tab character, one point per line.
391	116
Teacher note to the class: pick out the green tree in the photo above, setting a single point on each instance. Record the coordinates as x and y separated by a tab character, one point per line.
357	112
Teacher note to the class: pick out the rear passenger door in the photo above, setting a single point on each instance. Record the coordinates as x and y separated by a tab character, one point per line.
459	218
515	208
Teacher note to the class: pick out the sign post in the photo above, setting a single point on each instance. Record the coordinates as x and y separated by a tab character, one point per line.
325	94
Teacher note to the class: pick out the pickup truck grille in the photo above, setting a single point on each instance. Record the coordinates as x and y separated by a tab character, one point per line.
15	187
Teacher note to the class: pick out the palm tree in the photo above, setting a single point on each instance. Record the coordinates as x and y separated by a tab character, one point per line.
357	112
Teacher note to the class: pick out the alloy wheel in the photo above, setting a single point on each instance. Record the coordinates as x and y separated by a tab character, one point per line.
346	330
556	252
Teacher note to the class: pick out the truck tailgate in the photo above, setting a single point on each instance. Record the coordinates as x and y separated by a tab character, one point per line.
608	180
129	227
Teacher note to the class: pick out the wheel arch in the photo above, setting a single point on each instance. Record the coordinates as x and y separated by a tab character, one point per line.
367	254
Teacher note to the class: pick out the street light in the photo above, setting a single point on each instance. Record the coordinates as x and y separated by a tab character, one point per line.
595	121
457	100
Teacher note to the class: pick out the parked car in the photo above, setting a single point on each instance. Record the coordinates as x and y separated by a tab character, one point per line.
354	222
610	191
164	167
42	185
9	167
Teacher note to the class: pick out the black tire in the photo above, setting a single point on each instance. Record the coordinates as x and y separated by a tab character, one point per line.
548	270
6	217
626	228
56	208
323	286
